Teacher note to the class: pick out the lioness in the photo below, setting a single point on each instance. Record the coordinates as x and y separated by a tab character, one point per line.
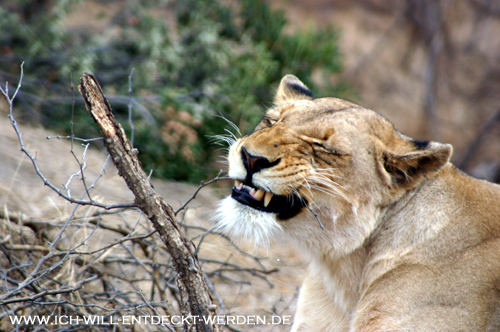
397	238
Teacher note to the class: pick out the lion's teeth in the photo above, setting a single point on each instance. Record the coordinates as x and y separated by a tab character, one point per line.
259	194
267	198
238	184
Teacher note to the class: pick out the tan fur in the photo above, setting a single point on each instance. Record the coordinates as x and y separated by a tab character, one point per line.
410	242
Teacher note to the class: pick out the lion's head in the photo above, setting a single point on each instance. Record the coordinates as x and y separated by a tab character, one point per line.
321	170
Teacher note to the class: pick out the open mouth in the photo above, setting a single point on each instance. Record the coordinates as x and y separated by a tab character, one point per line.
285	207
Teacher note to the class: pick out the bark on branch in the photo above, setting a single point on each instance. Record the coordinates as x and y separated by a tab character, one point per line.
194	293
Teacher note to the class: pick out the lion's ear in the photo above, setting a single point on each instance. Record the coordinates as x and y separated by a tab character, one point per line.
408	168
290	89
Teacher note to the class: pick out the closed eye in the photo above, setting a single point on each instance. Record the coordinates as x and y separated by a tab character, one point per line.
268	122
319	144
329	150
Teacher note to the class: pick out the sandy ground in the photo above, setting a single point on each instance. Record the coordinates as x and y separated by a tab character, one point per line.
22	192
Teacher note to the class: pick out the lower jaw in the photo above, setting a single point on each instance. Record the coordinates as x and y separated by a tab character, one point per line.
288	214
282	214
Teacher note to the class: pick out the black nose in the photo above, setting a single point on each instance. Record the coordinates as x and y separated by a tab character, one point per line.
254	164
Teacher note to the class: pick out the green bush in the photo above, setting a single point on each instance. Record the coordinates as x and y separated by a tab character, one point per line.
216	63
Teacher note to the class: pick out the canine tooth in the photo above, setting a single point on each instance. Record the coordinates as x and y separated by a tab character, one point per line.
238	184
267	198
259	194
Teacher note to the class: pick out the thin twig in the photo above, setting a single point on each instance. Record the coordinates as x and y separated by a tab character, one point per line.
83	140
201	186
317	217
46	181
65	255
49	292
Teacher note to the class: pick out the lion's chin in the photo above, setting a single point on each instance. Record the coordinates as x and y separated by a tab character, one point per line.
234	218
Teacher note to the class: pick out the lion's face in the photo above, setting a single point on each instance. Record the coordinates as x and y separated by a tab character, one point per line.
314	163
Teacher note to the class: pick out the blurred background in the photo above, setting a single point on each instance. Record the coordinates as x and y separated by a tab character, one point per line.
431	67
185	70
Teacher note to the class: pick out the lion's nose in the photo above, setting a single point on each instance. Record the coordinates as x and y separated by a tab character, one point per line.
254	164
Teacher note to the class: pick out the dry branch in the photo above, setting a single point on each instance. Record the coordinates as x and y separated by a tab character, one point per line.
40	276
195	298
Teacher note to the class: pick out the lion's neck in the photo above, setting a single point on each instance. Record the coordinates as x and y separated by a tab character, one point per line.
341	277
337	253
355	256
415	217
407	225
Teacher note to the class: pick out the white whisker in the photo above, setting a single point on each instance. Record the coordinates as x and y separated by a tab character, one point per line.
232	124
231	134
321	180
223	140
